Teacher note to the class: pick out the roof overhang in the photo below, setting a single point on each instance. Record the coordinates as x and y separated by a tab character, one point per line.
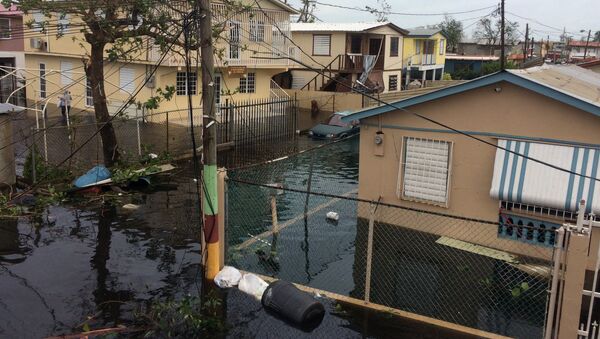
392	26
509	77
284	6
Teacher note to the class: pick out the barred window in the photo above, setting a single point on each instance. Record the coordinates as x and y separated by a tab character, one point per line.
89	99
5	28
425	170
42	81
234	40
394	46
248	83
257	30
181	82
393	83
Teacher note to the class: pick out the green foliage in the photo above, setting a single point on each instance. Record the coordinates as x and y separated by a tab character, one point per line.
186	318
123	175
453	30
43	170
492	67
52	198
7	209
517	291
446	76
166	95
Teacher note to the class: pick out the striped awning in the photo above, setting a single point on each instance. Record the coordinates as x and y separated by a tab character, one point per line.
518	179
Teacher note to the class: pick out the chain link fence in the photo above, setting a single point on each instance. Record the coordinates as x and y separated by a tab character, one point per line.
451	268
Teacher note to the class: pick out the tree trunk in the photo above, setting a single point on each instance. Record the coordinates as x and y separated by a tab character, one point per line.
95	72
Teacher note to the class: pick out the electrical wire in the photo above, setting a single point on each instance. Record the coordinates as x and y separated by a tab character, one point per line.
403	13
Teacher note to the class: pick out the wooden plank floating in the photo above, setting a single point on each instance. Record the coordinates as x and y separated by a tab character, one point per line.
403	314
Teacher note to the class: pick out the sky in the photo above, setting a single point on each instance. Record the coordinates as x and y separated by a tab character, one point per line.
575	15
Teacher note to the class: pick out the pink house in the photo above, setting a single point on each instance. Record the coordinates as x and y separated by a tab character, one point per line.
11	50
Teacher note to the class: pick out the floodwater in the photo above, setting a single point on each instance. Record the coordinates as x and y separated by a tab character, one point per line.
95	260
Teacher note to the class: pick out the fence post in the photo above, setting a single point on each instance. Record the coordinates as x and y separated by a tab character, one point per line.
222	207
577	246
372	209
167	131
33	155
139	139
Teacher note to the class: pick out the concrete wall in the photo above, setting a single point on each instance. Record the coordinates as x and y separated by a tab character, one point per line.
514	111
7	152
305	41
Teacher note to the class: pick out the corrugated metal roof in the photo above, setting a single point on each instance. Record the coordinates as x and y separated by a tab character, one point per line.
413	32
471	57
569	84
334	26
593	44
573	80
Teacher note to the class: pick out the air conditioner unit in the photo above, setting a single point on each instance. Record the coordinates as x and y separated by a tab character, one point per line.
151	83
37	43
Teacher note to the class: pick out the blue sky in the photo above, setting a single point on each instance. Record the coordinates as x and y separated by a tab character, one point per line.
575	15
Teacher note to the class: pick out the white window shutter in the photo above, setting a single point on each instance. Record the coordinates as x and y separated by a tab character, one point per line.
127	80
321	44
66	73
426	170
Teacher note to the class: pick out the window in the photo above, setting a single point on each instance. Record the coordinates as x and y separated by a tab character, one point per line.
4	28
42	81
39	21
248	83
442	46
66	73
355	44
182	85
63	24
257	30
425	170
89	99
321	44
234	40
127	80
393	83
417	46
394	46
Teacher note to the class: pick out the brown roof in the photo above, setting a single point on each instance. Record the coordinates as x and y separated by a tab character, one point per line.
588	64
577	43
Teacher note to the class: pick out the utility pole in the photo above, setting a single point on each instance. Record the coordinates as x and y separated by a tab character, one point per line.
586	45
532	47
525	46
209	141
502	36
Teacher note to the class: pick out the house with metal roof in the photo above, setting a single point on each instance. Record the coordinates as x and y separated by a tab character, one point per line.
423	55
518	146
362	55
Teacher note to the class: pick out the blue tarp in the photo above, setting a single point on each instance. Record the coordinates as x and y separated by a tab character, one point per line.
94	175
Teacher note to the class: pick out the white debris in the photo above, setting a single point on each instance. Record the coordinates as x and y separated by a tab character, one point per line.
228	277
333	216
252	285
152	155
131	206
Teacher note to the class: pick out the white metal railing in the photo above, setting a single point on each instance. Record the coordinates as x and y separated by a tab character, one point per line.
422	59
276	91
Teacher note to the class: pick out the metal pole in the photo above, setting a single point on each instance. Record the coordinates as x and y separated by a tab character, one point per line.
369	253
586	45
33	154
139	139
209	173
502	36
560	234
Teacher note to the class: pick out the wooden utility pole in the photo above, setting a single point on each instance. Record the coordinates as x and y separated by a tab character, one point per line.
587	42
209	141
525	46
532	47
502	56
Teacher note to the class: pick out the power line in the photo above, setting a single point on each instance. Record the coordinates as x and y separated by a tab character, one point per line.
403	13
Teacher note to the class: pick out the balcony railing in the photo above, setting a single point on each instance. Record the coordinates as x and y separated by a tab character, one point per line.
422	59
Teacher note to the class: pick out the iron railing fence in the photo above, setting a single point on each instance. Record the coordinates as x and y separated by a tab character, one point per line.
448	267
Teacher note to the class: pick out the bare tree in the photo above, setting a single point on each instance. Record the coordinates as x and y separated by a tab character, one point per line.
306	12
383	12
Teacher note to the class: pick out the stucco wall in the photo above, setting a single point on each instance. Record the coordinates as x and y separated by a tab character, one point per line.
15	43
305	41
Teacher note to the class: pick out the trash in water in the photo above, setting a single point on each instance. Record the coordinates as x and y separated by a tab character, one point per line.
228	277
299	307
333	216
131	206
252	285
94	176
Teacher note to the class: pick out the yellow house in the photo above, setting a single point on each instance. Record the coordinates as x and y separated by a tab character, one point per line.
55	65
424	55
363	55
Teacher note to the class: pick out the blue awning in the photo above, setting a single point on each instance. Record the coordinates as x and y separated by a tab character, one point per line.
517	179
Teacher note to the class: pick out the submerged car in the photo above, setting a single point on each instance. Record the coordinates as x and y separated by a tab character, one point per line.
335	128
